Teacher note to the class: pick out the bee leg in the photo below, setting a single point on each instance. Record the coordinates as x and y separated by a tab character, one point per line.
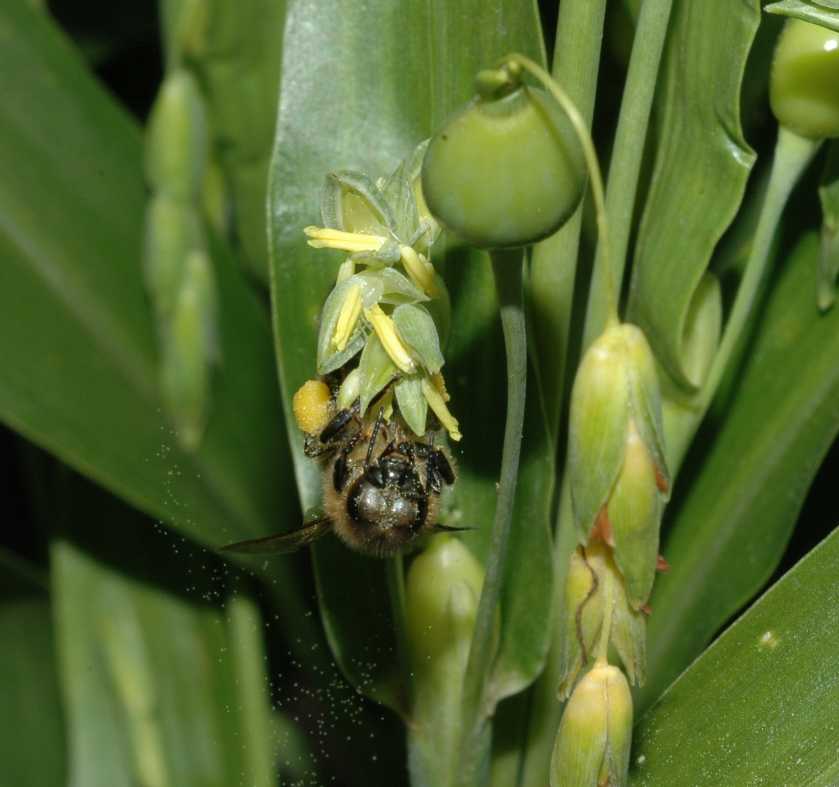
374	435
341	469
442	466
337	424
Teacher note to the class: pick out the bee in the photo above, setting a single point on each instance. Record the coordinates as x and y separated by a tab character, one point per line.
381	486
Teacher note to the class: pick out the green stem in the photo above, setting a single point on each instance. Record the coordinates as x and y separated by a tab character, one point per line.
592	164
792	155
395	573
553	262
507	267
627	155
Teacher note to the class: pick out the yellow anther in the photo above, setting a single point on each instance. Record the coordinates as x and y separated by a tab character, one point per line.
327	238
386	331
438	404
419	269
347	317
440	385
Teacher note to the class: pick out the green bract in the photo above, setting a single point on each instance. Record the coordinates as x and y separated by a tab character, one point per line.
506	170
616	382
593	742
804	87
595	588
176	149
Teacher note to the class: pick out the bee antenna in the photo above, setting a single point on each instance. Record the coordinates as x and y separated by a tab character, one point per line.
450	529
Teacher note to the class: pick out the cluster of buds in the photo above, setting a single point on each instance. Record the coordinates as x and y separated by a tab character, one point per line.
619	477
388	300
619	486
178	270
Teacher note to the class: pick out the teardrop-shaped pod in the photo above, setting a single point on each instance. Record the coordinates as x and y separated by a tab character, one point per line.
804	87
506	170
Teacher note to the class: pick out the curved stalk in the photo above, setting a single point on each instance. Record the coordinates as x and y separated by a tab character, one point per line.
507	267
627	155
395	574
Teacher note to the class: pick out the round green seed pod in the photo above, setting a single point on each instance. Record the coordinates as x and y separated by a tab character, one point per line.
804	85
506	170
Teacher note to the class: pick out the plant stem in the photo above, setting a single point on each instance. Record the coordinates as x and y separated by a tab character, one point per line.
592	164
792	155
627	156
507	267
553	262
395	573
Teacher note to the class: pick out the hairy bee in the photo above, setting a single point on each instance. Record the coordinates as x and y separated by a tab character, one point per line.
381	485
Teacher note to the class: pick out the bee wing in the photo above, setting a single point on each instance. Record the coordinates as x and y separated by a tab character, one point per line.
284	542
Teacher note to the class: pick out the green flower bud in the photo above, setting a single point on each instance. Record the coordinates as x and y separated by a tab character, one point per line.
803	85
176	145
594	586
634	512
419	333
412	403
506	170
353	203
185	371
442	590
172	230
616	383
595	735
375	369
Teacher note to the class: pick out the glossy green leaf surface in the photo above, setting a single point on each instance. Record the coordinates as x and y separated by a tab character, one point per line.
372	97
759	706
33	740
702	162
829	257
76	335
819	12
158	679
730	529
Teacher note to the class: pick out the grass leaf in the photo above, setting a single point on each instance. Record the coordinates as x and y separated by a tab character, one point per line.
701	166
758	706
730	529
76	335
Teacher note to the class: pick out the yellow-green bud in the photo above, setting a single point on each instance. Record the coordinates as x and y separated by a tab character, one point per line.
173	229
616	383
803	85
185	362
442	590
506	170
634	511
594	586
595	735
176	146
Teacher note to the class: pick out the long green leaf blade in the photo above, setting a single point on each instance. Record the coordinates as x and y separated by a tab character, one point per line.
76	337
33	740
151	675
759	706
701	167
731	528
